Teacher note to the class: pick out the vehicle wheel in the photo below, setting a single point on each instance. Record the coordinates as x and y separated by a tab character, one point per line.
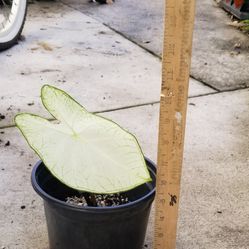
12	18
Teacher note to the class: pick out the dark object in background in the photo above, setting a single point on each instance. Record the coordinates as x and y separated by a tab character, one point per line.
103	1
238	8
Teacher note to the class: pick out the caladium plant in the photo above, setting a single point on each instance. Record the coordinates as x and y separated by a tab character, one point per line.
84	151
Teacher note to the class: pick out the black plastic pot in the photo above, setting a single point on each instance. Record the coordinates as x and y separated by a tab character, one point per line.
72	227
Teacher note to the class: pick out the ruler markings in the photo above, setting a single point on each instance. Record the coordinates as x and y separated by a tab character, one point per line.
179	21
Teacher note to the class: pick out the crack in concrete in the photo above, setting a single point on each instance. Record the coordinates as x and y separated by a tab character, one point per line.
140	105
98	112
206	84
134	42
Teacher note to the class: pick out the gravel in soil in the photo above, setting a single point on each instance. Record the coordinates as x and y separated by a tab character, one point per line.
98	200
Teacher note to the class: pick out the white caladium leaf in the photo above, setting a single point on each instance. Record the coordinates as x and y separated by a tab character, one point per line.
84	151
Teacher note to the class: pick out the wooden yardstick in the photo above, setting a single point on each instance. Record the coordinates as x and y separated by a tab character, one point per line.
179	22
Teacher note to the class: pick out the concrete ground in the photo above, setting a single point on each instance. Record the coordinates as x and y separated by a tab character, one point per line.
220	52
118	78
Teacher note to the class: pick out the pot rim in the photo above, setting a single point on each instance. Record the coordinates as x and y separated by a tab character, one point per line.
48	197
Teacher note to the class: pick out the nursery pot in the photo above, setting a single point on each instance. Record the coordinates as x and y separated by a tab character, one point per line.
73	227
